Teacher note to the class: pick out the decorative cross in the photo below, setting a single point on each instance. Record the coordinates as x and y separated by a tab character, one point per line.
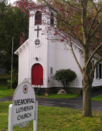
38	30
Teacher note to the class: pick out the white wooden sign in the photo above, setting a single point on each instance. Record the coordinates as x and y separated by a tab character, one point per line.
24	107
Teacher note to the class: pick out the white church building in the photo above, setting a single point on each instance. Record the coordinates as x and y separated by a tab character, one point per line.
39	58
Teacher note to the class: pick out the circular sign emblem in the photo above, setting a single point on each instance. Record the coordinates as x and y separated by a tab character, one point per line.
25	89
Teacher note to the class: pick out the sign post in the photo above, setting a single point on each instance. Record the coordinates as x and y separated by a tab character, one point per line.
35	120
10	124
24	107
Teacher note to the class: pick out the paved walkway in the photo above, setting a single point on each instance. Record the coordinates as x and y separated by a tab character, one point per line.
75	103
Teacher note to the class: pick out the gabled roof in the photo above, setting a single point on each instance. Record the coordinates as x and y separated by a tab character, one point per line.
22	47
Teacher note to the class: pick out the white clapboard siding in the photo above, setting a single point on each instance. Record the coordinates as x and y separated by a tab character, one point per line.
51	55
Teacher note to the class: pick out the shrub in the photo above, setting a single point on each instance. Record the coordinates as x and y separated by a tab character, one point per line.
65	76
14	82
4	78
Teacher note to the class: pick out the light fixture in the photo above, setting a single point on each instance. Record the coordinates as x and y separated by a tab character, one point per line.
36	58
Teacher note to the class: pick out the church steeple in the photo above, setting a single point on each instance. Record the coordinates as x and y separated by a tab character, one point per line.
42	16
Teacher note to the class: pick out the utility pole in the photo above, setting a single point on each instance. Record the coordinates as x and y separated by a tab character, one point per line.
12	61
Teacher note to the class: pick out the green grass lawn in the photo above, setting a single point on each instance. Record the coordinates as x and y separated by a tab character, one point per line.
97	98
56	119
53	118
4	92
58	96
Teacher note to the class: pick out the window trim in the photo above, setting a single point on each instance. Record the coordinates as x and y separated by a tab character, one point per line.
40	18
99	71
52	19
38	44
51	70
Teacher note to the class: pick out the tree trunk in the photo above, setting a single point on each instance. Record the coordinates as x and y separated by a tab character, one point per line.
87	111
87	85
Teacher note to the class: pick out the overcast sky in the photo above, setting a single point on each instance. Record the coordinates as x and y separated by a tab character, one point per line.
11	1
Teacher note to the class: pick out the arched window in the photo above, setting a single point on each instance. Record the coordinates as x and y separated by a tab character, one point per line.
38	18
52	19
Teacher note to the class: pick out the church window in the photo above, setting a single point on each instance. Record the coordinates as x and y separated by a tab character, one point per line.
51	71
99	71
37	42
52	19
38	18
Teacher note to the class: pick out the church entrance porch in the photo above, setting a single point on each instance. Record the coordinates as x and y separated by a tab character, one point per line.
37	74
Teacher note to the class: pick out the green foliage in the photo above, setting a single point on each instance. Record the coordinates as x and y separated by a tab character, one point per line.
12	22
4	78
14	82
65	76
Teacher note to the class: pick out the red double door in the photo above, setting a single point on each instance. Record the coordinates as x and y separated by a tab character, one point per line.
37	74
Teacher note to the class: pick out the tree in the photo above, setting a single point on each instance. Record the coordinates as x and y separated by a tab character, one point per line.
65	76
12	22
82	21
79	20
